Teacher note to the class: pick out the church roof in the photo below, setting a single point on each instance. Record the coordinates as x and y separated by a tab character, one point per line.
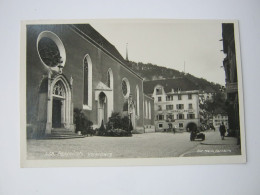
88	30
97	39
169	84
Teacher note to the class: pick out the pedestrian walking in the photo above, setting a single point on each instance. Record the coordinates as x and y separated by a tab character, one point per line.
222	130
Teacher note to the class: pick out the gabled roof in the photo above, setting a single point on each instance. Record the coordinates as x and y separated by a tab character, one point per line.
169	84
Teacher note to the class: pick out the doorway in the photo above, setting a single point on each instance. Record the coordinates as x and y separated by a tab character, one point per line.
102	108
56	113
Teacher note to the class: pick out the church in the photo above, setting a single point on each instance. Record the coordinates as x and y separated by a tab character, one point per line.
72	66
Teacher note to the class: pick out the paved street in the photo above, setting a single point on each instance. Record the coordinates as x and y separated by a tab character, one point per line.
215	146
140	145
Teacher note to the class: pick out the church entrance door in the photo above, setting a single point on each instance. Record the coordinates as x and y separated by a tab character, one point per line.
56	113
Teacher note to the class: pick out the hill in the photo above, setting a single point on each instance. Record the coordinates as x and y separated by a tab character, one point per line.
153	72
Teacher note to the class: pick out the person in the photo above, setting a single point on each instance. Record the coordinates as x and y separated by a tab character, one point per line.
222	130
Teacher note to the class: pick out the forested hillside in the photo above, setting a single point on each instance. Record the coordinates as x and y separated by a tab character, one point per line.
153	72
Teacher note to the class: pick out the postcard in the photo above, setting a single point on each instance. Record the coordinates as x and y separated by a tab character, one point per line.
131	92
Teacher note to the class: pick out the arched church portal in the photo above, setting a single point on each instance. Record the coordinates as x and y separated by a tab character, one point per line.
102	108
59	105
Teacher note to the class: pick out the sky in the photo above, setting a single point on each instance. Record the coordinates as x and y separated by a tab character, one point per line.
170	43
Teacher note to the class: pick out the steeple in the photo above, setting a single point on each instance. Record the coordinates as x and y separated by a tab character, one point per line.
126	58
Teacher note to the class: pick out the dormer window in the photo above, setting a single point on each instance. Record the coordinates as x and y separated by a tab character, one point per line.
159	91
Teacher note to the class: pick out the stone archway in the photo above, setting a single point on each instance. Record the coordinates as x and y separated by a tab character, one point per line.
59	105
191	127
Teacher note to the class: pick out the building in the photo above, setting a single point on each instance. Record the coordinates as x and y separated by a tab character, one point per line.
220	118
72	66
176	103
230	67
205	116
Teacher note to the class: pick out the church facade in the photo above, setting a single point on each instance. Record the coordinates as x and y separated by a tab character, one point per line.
72	66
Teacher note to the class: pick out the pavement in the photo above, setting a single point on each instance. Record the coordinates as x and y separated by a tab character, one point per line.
148	145
215	146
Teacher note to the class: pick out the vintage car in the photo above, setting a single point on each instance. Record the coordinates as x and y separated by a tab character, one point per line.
197	135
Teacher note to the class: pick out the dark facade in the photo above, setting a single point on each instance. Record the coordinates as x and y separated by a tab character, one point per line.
88	74
230	66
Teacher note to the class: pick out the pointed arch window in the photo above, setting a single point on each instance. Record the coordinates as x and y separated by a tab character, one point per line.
85	101
137	100
149	111
110	79
87	83
146	109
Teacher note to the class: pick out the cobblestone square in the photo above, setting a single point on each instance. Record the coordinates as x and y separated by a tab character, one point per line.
149	145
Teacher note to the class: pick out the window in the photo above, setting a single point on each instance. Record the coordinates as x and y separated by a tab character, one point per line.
169	98
149	109
170	117
110	82
160	117
159	107
190	116
180	116
159	99
179	97
190	106
180	106
189	96
51	51
180	125
146	109
137	100
87	83
159	91
125	87
160	125
169	107
108	79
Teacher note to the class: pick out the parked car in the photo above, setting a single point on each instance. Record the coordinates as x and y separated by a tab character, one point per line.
197	135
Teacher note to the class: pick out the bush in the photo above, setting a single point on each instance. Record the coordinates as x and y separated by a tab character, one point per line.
102	129
82	123
115	121
117	126
118	133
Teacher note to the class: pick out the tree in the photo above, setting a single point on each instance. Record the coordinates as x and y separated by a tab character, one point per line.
217	102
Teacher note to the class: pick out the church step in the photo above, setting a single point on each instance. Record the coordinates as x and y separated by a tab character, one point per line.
63	132
63	136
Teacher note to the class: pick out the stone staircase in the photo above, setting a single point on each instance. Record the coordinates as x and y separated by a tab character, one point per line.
62	133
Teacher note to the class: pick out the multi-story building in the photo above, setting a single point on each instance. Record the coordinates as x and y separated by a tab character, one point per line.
218	119
230	67
176	103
